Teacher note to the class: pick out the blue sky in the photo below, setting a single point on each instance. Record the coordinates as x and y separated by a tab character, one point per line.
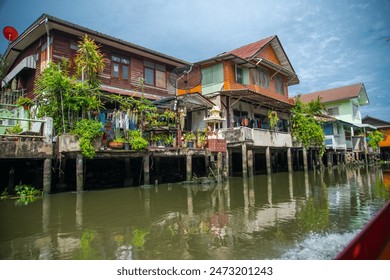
330	43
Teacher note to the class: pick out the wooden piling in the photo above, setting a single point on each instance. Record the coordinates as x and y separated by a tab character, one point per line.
47	176
268	159
250	163
189	167
244	161
146	170
79	173
289	160
304	155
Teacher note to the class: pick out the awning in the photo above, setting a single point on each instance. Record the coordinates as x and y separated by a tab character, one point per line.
130	93
257	98
193	102
27	62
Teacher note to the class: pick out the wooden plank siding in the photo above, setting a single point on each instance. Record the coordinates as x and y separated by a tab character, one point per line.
61	49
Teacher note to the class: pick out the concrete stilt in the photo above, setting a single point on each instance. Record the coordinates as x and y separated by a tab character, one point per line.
250	162
79	173
244	161
47	176
146	170
268	159
189	167
304	155
289	160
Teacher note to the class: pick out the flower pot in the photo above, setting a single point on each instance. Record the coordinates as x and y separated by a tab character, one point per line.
116	145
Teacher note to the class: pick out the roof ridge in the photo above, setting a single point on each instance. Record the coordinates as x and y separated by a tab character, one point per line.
336	88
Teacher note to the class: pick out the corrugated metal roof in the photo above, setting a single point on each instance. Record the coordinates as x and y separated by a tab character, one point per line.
335	94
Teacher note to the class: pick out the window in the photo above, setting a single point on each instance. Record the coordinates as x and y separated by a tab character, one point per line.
355	110
242	75
155	74
212	75
334	111
260	77
239	75
279	85
120	67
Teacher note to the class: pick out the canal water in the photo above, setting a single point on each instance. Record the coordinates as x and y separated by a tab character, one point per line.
297	215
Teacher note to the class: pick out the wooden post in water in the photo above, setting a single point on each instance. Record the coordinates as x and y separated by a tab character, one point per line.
207	163
146	170
244	161
268	159
229	162
79	173
189	167
289	160
47	176
250	162
220	166
304	155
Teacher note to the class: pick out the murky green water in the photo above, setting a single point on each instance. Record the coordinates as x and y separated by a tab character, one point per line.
284	216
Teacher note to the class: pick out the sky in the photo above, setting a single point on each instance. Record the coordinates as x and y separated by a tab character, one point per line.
329	43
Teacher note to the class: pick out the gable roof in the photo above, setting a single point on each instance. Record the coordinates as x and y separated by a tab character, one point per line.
338	94
248	55
376	122
45	23
250	50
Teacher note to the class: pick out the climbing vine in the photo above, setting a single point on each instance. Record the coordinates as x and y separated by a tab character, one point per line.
305	127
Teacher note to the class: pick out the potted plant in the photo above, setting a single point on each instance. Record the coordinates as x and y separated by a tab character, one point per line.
189	138
201	140
118	141
24	102
168	140
87	131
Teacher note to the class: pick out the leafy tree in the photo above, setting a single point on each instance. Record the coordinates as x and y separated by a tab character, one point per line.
89	61
374	137
305	127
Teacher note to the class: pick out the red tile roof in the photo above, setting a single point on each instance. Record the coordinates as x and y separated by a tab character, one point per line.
251	49
334	94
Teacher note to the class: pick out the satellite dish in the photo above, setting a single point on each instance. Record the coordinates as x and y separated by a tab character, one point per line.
186	77
10	33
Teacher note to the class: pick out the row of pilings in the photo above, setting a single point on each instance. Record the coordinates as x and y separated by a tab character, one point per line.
113	169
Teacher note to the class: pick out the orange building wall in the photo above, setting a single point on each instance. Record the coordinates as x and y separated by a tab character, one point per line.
386	141
269	54
230	83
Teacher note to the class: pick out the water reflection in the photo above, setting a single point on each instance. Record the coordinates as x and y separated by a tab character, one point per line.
285	215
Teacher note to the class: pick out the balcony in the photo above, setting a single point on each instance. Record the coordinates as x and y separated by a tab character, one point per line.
335	142
257	137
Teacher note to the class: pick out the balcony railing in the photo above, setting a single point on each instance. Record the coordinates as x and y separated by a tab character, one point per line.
354	143
9	97
258	137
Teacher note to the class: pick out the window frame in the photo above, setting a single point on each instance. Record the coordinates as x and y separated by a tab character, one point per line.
121	62
261	77
157	70
279	85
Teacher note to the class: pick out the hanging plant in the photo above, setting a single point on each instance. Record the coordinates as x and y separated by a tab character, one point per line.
87	131
273	119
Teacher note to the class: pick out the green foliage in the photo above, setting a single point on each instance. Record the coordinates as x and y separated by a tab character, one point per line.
27	190
189	137
89	60
374	137
305	128
273	119
3	65
139	236
87	131
16	129
24	101
136	140
119	137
